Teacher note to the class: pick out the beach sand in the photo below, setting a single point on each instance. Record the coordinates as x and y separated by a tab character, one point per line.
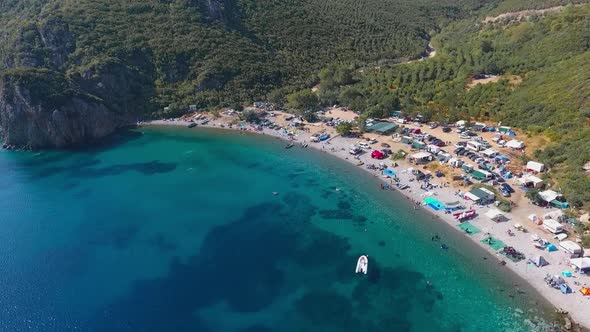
576	305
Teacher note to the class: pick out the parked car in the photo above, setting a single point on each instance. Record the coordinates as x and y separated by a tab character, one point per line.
461	144
458	150
440	143
506	187
462	153
446	129
504	193
385	145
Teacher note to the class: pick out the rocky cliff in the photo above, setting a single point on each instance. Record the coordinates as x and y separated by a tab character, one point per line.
38	111
44	105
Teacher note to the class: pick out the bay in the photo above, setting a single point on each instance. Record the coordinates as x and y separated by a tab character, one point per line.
171	229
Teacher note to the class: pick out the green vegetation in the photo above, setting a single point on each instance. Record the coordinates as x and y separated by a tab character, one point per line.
543	66
216	52
47	87
344	128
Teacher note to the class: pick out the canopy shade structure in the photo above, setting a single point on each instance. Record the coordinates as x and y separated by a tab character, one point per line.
421	155
382	127
548	195
471	196
515	144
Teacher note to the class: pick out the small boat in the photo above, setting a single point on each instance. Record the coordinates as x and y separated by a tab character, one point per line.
362	264
290	145
305	145
360	163
192	125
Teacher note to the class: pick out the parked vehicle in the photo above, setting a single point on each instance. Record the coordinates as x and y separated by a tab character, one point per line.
507	187
363	145
446	130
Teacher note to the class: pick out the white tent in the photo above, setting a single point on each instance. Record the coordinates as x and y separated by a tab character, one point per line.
533	217
492	213
421	155
539	261
515	144
582	263
555	215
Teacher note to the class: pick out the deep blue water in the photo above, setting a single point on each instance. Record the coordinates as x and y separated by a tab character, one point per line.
178	230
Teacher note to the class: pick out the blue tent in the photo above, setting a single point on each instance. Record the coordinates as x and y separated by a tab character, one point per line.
551	247
389	172
565	289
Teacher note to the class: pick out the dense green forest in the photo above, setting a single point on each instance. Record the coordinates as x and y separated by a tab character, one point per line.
548	56
214	52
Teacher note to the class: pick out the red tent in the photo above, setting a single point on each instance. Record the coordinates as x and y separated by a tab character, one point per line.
377	155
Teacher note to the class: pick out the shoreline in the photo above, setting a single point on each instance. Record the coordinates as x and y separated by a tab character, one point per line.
574	305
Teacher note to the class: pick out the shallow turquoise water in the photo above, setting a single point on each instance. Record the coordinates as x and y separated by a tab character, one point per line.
178	230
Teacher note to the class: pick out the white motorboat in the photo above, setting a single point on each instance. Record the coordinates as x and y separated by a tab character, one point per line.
362	265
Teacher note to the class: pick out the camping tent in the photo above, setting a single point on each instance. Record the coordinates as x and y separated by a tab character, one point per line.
555	215
551	247
388	172
539	261
496	215
377	154
583	263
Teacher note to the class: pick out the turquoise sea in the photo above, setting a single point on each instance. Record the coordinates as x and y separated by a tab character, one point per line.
173	229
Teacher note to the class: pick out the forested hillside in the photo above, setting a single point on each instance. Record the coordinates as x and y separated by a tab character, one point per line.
543	67
213	52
